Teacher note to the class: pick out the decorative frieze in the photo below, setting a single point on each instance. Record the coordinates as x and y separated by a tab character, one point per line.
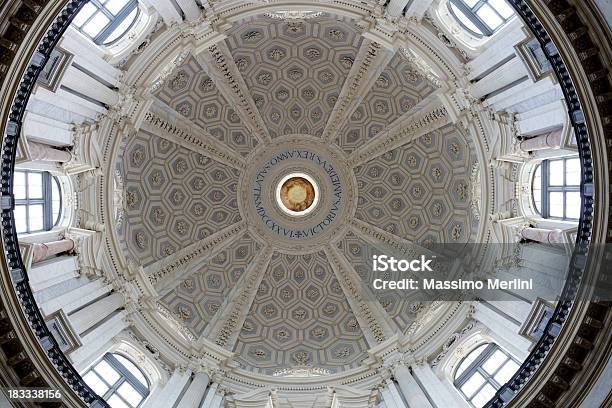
369	63
372	322
186	134
221	67
196	252
401	133
232	317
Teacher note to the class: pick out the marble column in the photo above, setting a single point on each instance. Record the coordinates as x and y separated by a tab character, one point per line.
190	8
41	252
391	396
545	236
42	152
195	393
73	298
173	389
436	390
412	392
503	331
96	342
213	399
89	316
395	8
551	140
44	275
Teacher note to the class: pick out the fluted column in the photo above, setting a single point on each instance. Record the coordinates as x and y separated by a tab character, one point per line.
551	140
194	394
545	236
414	395
41	252
87	317
42	152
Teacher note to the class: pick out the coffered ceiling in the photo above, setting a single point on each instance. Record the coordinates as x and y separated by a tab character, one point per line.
299	315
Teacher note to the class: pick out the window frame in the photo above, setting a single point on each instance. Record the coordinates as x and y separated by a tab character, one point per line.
114	21
477	367
546	188
471	14
46	201
124	376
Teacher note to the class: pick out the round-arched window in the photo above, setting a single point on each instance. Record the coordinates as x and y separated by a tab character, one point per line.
482	372
106	21
38	201
481	17
118	381
556	189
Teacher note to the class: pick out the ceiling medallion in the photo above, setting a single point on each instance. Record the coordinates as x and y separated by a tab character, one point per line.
297	194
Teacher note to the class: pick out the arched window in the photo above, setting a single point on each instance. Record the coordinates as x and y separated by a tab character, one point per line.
118	380
106	21
38	201
481	17
556	189
483	372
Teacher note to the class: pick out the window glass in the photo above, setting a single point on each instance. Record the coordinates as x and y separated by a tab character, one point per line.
505	373
96	24
107	372
502	7
106	21
469	360
86	12
489	17
35	185
556	188
484	395
472	384
465	20
118	381
96	383
38	201
129	394
488	368
572	204
135	371
19	185
537	189
481	17
494	362
122	28
21	218
56	202
573	172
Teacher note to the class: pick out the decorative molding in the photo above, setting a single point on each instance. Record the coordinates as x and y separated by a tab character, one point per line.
225	332
410	126
371	60
170	126
221	66
198	251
